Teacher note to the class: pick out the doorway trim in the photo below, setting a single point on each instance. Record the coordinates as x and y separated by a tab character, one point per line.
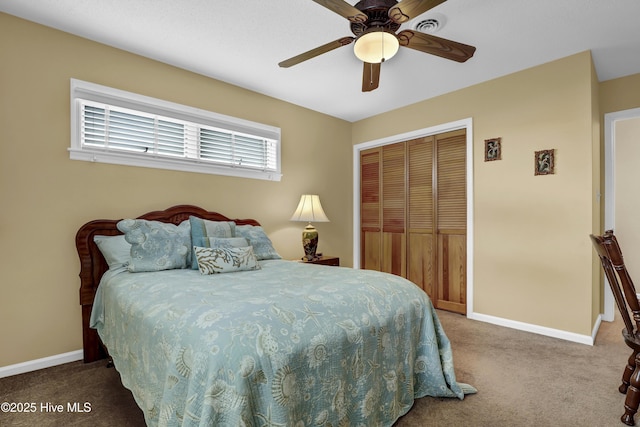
466	124
610	120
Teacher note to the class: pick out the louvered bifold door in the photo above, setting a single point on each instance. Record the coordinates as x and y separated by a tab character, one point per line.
370	209
451	219
420	214
393	209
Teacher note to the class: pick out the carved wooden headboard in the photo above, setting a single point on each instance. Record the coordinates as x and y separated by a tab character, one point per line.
93	264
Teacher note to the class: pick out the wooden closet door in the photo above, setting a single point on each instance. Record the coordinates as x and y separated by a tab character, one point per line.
393	209
451	219
420	214
413	214
370	209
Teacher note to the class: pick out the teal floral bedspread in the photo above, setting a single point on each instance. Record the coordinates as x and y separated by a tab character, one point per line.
290	344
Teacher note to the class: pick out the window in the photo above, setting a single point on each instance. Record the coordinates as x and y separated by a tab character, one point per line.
113	126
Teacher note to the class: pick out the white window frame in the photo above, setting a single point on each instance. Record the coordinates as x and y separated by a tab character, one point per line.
81	90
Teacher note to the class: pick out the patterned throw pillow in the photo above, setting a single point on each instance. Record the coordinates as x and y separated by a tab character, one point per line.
203	228
224	242
156	245
225	260
258	239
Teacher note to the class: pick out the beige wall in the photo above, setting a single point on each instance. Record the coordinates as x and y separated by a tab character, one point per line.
627	197
597	282
620	94
45	197
533	260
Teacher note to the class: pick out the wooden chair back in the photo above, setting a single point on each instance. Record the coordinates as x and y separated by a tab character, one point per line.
622	286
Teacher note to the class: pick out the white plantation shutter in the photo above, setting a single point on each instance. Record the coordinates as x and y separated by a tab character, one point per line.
170	138
216	146
123	128
237	150
111	128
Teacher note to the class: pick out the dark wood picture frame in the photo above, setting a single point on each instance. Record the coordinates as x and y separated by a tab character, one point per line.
492	149
544	162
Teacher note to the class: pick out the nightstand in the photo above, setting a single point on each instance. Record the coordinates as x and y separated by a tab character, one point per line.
325	260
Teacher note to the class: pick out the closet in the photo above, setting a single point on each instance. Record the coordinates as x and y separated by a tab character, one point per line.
413	214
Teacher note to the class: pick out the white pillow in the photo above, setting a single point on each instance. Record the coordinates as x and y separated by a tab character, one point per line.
225	260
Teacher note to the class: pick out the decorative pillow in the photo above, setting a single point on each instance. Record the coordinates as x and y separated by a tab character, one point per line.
224	242
258	239
225	260
201	228
156	245
115	250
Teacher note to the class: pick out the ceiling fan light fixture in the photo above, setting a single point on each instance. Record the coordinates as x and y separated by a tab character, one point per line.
376	46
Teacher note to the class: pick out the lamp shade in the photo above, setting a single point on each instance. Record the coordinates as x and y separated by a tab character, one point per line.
376	46
309	209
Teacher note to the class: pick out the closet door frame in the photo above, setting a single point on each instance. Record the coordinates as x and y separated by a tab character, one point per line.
466	124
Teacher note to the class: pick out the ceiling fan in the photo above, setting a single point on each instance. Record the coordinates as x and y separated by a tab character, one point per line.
374	24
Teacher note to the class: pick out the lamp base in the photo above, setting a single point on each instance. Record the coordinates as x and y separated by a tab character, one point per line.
310	242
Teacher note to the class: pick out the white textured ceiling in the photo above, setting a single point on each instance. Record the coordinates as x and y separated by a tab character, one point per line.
242	41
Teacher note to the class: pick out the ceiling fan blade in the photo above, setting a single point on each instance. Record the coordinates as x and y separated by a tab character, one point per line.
408	9
428	43
343	8
317	51
370	76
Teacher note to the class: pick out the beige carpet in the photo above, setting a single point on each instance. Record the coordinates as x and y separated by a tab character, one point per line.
522	379
525	379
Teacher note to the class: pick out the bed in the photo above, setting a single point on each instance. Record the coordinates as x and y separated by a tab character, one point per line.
256	340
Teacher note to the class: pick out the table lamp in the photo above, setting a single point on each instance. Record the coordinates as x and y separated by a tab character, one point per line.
309	209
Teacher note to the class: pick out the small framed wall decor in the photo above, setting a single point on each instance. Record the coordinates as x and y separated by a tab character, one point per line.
544	162
492	149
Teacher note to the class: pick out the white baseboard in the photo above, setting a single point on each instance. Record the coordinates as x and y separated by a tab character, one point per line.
596	328
45	362
536	329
